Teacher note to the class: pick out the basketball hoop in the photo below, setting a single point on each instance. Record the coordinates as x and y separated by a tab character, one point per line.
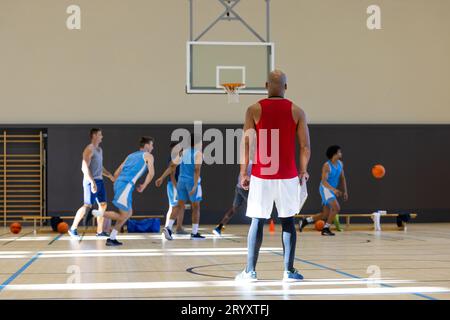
232	90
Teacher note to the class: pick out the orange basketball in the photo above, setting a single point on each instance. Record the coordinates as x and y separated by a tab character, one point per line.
63	227
378	171
319	225
15	227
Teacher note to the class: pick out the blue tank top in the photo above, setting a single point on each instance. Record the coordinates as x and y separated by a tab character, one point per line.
133	168
187	165
334	174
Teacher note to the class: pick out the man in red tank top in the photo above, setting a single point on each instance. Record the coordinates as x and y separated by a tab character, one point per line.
276	123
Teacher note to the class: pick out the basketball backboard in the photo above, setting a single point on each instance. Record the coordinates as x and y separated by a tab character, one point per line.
209	64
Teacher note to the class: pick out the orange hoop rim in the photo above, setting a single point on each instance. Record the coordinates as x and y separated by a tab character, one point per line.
233	85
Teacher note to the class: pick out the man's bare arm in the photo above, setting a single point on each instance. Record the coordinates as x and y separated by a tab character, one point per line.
108	174
344	184
303	140
247	140
170	170
151	172
172	179
87	156
198	165
119	169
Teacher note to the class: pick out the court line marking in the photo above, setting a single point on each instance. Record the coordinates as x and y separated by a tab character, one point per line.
55	239
81	238
19	272
167	285
4	244
4	234
186	296
351	275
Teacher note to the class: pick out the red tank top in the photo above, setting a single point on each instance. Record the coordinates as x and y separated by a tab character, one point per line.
272	162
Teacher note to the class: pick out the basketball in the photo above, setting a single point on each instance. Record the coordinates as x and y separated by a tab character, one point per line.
319	225
15	227
63	227
378	171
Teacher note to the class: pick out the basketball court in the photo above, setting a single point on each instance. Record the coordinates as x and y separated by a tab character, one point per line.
110	80
48	267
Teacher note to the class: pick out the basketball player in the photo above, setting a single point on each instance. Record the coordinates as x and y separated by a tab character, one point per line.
132	168
332	176
240	199
188	186
172	195
93	185
277	122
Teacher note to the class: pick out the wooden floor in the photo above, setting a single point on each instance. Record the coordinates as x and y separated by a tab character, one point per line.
353	265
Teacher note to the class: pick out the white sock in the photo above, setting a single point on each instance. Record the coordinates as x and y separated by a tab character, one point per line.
170	225
113	234
194	228
310	220
169	212
327	225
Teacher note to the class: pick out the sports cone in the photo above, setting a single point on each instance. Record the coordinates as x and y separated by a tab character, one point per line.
272	226
337	224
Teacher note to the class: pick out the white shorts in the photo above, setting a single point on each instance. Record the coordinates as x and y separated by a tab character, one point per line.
287	194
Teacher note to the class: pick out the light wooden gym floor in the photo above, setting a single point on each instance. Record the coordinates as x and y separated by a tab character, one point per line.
412	265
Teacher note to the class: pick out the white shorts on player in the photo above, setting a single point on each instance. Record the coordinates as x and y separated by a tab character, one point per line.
286	193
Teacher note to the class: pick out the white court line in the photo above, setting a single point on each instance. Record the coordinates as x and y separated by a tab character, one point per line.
161	250
203	284
353	291
143	252
120	237
14	252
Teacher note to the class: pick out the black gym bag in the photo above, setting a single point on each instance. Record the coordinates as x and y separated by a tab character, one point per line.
403	217
54	221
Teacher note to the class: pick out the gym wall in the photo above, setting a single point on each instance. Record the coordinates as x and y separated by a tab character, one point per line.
415	157
125	71
127	63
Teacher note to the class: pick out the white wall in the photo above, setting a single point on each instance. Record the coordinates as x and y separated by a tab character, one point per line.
127	63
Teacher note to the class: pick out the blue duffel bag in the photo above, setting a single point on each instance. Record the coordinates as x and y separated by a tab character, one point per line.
143	226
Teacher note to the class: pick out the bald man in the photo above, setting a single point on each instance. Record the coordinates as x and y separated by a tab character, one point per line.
276	122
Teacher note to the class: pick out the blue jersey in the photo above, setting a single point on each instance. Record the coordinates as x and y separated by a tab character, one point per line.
187	165
334	174
134	167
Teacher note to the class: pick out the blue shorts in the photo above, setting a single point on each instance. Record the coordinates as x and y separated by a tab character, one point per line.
172	194
89	197
327	195
123	192
183	189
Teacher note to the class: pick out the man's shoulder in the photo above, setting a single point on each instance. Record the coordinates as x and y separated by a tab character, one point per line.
148	155
296	108
298	113
89	147
254	107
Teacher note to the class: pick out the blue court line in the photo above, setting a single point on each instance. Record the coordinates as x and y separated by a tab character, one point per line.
55	239
351	275
18	272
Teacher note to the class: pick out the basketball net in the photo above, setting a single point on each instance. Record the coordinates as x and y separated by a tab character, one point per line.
232	90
